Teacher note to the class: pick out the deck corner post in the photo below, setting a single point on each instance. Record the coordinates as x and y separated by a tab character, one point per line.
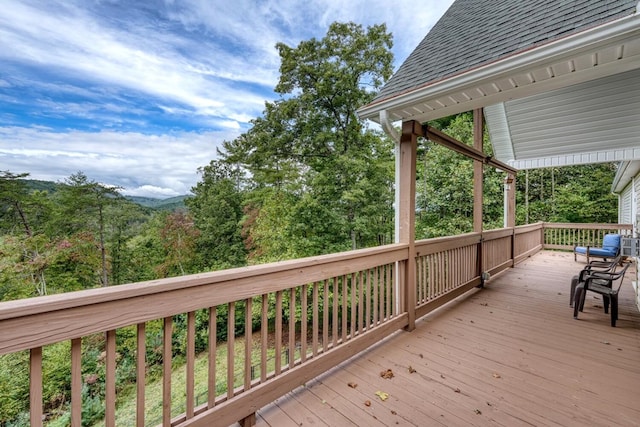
248	421
411	130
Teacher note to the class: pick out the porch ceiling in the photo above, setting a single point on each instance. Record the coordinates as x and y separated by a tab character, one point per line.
575	100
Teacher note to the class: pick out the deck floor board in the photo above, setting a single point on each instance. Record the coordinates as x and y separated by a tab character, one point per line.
507	355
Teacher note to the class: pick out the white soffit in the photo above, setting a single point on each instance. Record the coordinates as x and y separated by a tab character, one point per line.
591	122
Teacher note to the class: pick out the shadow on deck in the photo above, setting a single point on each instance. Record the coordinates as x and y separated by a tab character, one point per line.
508	354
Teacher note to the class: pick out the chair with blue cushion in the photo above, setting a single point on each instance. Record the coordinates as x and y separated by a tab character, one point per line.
610	248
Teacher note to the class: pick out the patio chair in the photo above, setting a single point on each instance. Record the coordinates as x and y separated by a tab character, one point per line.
610	248
593	266
600	283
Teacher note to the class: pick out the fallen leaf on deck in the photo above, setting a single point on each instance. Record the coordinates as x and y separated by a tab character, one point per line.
457	390
606	342
472	321
324	401
352	385
382	395
388	374
484	304
421	356
393	412
441	376
478	411
411	370
367	403
496	375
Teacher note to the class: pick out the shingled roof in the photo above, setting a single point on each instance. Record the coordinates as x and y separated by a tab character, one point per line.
558	80
476	32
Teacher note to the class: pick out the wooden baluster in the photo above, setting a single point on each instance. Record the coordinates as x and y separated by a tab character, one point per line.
303	323
325	317
292	327
231	343
353	290
374	284
314	331
380	287
213	350
389	292
367	296
76	382
344	309
335	298
110	381
361	303
191	363
141	360
35	387
278	331
248	329
264	337
166	371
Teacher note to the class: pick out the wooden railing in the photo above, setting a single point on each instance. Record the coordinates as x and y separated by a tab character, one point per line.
566	236
302	318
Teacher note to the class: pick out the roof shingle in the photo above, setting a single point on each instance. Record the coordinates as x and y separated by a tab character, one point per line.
475	32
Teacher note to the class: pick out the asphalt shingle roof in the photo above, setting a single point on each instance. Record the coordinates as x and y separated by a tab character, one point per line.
475	32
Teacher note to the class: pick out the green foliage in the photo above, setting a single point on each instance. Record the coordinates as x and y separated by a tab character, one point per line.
217	210
569	194
316	180
445	185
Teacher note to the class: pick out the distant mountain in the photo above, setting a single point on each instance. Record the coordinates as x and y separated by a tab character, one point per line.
169	204
48	186
172	203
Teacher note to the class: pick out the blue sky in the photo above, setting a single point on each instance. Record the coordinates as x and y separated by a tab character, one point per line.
140	93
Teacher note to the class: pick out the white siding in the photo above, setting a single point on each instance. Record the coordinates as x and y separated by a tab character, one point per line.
625	213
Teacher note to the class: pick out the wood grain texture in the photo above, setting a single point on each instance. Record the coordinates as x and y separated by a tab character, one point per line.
508	354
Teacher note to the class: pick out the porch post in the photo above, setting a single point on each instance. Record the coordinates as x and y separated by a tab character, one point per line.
407	211
477	171
510	202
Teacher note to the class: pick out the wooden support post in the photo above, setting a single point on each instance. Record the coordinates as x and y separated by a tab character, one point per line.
411	130
248	421
477	170
511	201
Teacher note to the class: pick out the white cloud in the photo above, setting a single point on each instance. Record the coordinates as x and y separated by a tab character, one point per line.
156	65
142	164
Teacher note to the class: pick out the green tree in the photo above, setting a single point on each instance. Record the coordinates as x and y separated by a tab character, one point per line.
334	174
445	185
83	205
217	211
13	198
580	194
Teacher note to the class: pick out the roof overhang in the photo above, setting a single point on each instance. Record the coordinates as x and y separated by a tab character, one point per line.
625	173
529	81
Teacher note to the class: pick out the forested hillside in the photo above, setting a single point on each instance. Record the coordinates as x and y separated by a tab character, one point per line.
307	178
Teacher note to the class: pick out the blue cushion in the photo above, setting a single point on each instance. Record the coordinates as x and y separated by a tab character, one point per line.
610	247
603	252
611	242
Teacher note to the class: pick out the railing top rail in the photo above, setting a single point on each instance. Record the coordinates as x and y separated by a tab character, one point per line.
287	273
589	226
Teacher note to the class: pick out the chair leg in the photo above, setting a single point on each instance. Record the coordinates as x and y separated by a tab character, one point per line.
614	309
577	299
574	283
605	303
583	297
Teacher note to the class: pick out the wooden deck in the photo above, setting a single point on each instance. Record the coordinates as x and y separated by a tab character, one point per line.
509	354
